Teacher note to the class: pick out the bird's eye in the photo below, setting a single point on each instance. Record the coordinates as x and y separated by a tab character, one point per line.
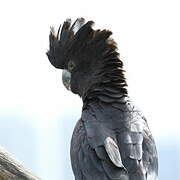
71	66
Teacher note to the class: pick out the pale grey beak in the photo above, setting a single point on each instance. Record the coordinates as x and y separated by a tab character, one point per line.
66	78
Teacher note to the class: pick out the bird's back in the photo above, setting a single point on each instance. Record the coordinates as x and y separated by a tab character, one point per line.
118	124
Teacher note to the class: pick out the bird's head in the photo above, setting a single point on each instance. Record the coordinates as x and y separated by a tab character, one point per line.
83	54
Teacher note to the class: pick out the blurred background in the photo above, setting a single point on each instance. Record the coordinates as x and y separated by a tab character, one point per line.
38	114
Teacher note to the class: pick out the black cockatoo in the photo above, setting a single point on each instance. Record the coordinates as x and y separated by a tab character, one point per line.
111	140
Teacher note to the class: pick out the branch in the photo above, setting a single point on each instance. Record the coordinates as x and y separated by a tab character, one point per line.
11	169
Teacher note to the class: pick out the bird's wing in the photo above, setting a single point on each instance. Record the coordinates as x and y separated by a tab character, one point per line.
95	162
128	152
103	141
111	160
113	152
137	148
131	150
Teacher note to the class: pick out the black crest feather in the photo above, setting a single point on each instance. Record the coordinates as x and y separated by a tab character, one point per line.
60	41
78	37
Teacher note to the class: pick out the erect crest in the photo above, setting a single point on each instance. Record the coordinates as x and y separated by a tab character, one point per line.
60	41
78	39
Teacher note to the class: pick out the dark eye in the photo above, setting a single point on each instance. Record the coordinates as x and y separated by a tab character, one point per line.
71	66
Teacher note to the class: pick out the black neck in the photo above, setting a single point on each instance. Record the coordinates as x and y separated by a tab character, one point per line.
111	83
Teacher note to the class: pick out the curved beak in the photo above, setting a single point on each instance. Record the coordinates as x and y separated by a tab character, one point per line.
66	78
